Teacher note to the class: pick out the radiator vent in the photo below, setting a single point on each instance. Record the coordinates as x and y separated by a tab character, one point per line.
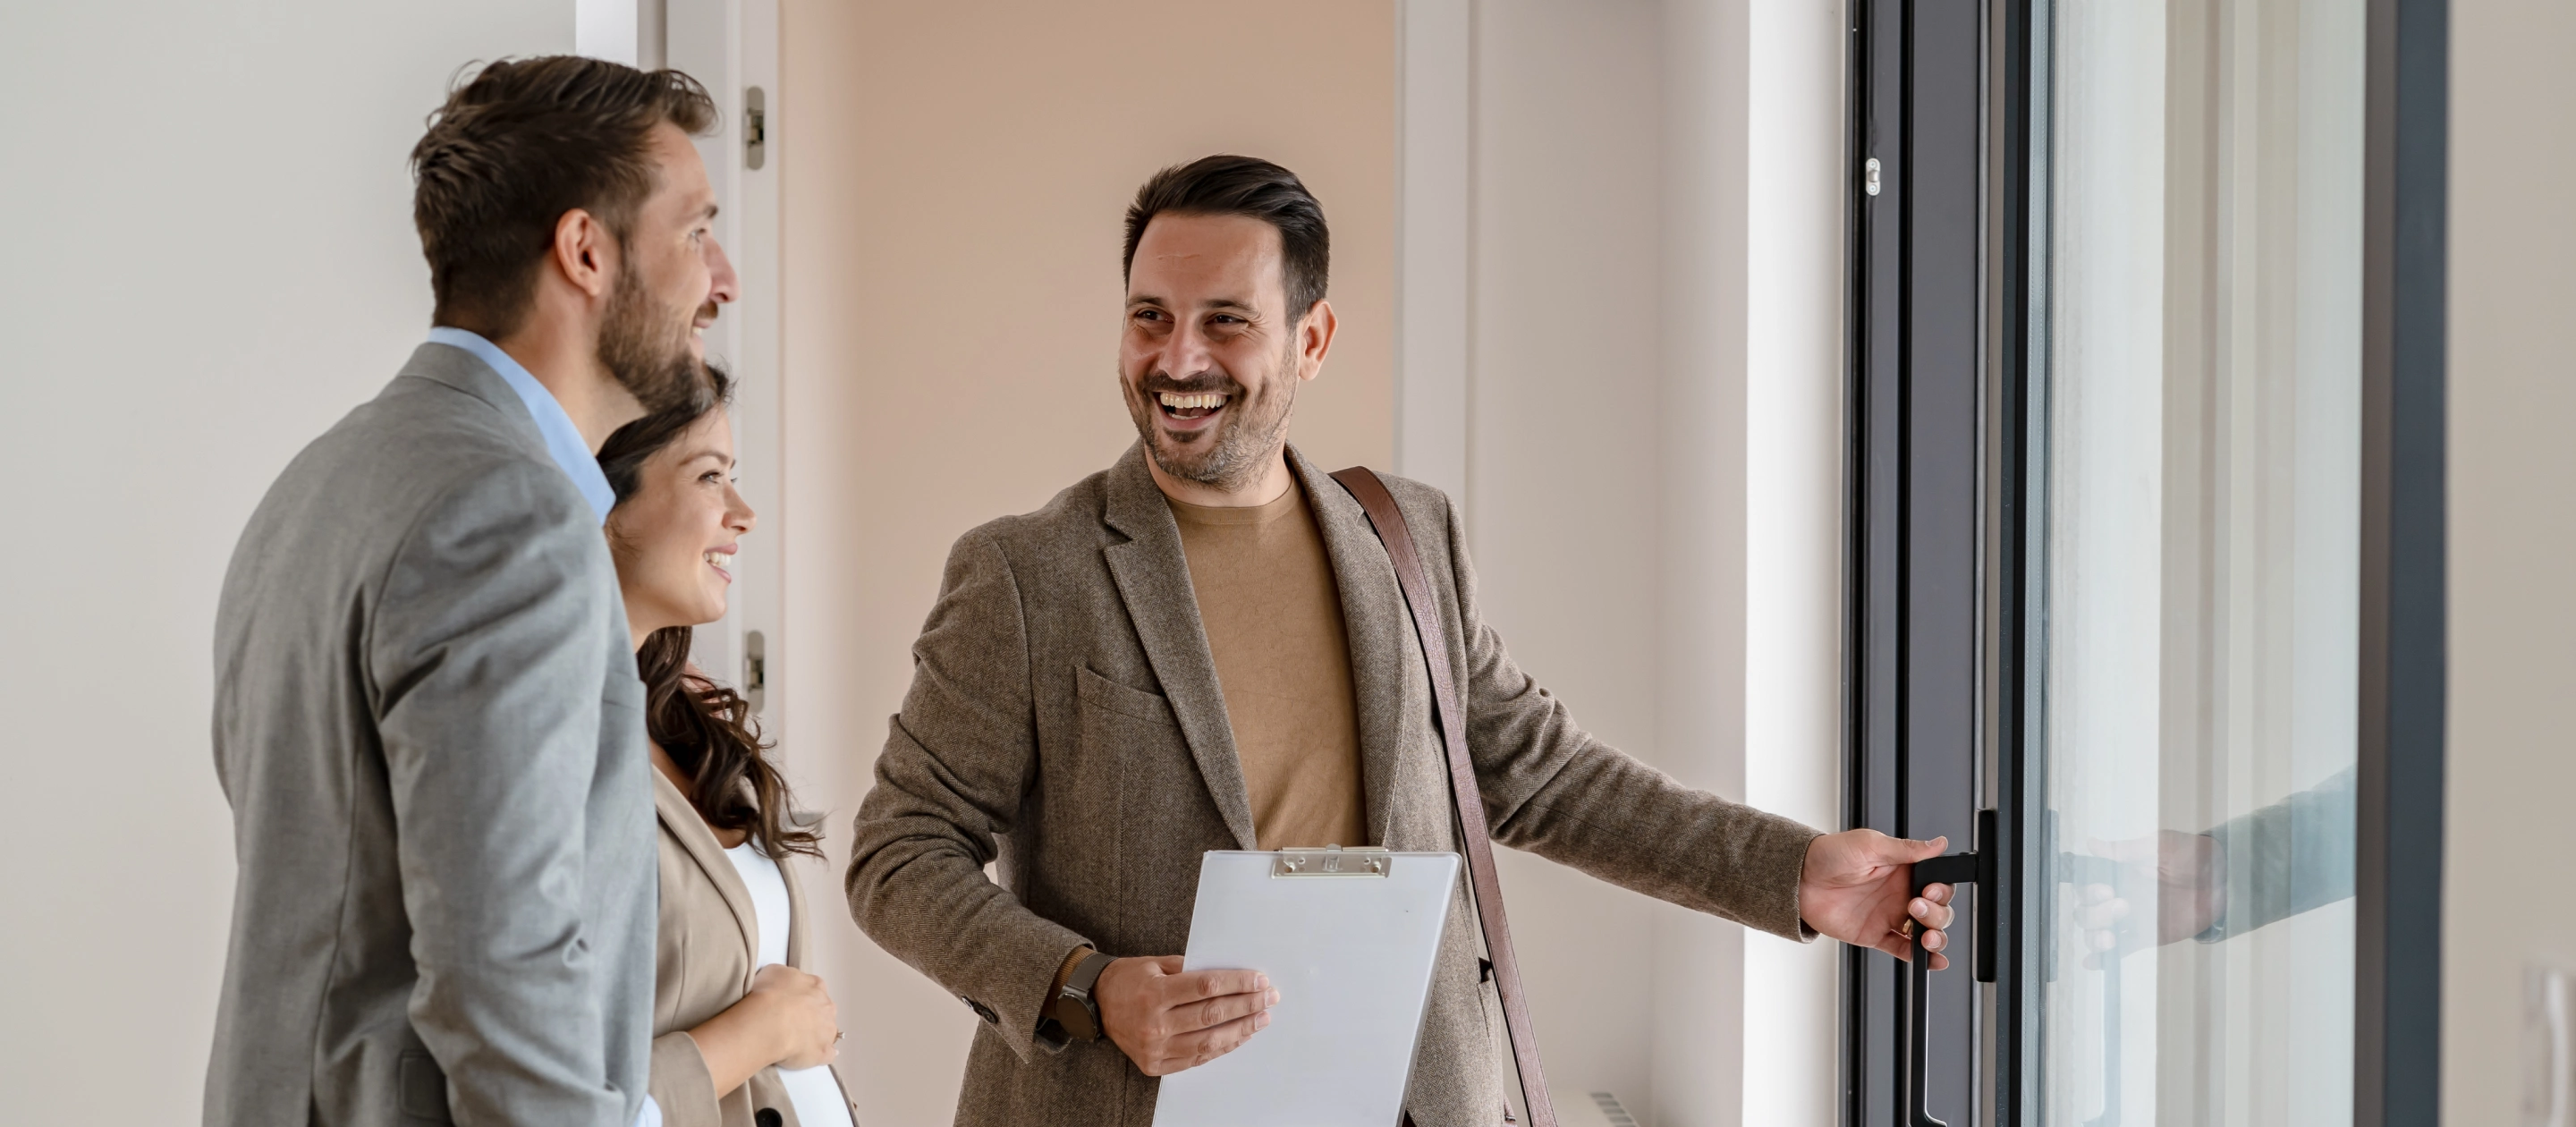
1611	1112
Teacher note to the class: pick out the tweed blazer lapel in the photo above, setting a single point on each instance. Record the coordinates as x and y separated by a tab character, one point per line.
1389	685
699	842
1153	576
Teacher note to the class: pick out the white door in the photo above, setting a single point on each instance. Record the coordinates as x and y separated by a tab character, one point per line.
731	46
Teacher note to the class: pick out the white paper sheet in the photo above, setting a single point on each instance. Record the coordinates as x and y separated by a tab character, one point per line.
1351	958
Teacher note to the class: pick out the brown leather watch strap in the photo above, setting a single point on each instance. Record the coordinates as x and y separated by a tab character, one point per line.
1464	797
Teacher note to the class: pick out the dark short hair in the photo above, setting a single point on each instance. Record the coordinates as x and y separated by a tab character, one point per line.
517	146
622	456
1232	185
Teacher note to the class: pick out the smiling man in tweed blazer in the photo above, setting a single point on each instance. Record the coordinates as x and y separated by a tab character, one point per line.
1204	647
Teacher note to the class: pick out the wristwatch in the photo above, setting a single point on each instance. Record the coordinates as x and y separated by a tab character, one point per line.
1074	1014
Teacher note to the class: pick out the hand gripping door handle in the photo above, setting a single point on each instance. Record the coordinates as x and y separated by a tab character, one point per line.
1977	868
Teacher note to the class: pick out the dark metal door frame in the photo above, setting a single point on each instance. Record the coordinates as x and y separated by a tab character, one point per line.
2397	1002
1914	403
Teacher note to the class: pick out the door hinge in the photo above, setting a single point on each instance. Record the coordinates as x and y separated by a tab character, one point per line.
755	669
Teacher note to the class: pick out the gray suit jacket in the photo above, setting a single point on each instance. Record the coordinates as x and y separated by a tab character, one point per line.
428	723
1065	718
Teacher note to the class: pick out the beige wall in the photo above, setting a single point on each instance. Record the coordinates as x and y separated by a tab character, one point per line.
212	261
954	181
2513	540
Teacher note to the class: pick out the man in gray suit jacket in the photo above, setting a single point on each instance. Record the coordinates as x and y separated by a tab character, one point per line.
427	718
1204	647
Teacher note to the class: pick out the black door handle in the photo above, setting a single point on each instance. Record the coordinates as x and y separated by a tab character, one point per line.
1977	868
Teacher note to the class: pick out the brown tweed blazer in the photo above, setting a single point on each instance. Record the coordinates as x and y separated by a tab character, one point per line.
1064	719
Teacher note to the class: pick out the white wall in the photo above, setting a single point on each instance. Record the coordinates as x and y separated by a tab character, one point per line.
210	260
2512	762
1795	196
1562	463
1699	963
1653	451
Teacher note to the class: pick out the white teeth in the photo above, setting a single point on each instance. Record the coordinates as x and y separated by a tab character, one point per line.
1206	400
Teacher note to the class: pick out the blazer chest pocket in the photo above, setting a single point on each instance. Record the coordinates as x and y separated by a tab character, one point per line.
1102	694
1130	757
1140	816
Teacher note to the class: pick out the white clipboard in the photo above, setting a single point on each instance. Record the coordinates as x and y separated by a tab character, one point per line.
1348	938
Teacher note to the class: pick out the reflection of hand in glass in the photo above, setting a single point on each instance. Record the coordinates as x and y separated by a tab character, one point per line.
2286	858
2189	872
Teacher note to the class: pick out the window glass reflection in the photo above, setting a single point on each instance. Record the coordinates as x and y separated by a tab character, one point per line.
2203	469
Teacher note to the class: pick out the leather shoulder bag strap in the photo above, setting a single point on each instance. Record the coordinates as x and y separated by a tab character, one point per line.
1464	796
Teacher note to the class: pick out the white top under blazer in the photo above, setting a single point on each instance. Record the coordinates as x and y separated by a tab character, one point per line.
816	1095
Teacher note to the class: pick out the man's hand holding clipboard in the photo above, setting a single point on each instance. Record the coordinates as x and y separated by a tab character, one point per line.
1166	1019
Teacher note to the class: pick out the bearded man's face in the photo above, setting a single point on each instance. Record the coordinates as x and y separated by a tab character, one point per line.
671	279
1209	360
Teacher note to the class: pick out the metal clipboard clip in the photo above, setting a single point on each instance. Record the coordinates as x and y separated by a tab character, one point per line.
1332	861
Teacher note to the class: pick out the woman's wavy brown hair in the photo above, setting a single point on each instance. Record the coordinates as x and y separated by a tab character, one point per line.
706	728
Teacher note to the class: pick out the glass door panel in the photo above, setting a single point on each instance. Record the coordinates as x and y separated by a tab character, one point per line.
2195	725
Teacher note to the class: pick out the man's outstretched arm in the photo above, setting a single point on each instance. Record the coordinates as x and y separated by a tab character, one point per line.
1554	789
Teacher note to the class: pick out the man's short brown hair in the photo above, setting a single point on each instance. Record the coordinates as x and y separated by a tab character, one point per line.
516	147
1247	186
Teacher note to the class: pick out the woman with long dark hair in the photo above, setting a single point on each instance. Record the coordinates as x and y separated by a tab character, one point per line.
742	1035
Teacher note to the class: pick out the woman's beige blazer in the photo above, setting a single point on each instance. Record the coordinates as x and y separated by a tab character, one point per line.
708	945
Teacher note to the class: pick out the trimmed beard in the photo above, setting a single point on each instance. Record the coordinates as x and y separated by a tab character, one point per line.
1237	451
639	346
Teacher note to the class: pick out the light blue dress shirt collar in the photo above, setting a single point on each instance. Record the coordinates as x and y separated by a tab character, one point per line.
563	440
